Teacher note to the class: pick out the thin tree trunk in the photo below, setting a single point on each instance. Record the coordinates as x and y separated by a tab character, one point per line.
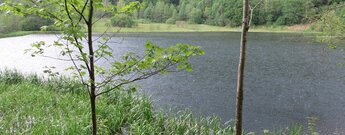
252	11
92	71
93	113
240	77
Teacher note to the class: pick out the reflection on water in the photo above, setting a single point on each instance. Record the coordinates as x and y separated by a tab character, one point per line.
288	77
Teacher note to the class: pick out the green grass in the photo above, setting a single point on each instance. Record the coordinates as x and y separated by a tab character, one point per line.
31	105
14	34
23	33
103	24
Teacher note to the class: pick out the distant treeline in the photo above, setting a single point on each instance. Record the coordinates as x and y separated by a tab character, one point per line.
211	12
229	12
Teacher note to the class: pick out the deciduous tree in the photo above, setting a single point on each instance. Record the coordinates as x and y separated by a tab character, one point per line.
75	19
241	66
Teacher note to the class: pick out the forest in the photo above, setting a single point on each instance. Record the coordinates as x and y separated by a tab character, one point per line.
229	12
180	12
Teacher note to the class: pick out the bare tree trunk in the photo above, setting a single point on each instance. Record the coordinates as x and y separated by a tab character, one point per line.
240	77
92	71
252	11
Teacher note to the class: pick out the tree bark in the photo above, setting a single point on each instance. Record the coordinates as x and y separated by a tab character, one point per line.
241	65
93	113
92	71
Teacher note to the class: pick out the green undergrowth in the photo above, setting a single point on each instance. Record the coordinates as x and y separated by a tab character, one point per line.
32	105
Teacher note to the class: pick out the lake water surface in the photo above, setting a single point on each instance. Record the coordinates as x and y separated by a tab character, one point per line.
287	79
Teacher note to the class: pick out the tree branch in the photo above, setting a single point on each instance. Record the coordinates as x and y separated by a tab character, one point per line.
80	13
49	13
81	52
252	10
109	79
77	68
59	58
68	14
142	77
99	18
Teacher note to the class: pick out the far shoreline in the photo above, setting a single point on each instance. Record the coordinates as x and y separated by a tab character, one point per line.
170	28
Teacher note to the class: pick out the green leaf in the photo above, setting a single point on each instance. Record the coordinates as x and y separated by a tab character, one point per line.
82	73
189	68
332	46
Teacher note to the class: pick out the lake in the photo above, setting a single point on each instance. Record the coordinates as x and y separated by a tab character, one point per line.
288	76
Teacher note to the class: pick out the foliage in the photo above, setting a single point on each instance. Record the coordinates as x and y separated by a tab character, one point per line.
148	11
195	16
9	23
34	23
229	12
292	15
332	26
119	111
224	12
122	20
73	18
171	21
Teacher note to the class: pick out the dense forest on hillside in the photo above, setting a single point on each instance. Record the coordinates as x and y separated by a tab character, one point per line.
229	12
180	12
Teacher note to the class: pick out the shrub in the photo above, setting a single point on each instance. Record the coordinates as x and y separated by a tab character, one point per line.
171	21
9	23
195	17
34	23
122	20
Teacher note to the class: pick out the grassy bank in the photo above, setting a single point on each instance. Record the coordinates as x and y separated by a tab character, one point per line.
162	27
23	33
14	34
102	26
30	105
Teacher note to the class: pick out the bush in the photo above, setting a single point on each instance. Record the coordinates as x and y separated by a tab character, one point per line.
9	23
122	20
195	16
34	23
171	21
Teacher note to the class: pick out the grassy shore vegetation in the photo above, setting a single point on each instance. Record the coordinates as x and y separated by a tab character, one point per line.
14	25
14	34
162	27
141	26
190	16
32	105
23	33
